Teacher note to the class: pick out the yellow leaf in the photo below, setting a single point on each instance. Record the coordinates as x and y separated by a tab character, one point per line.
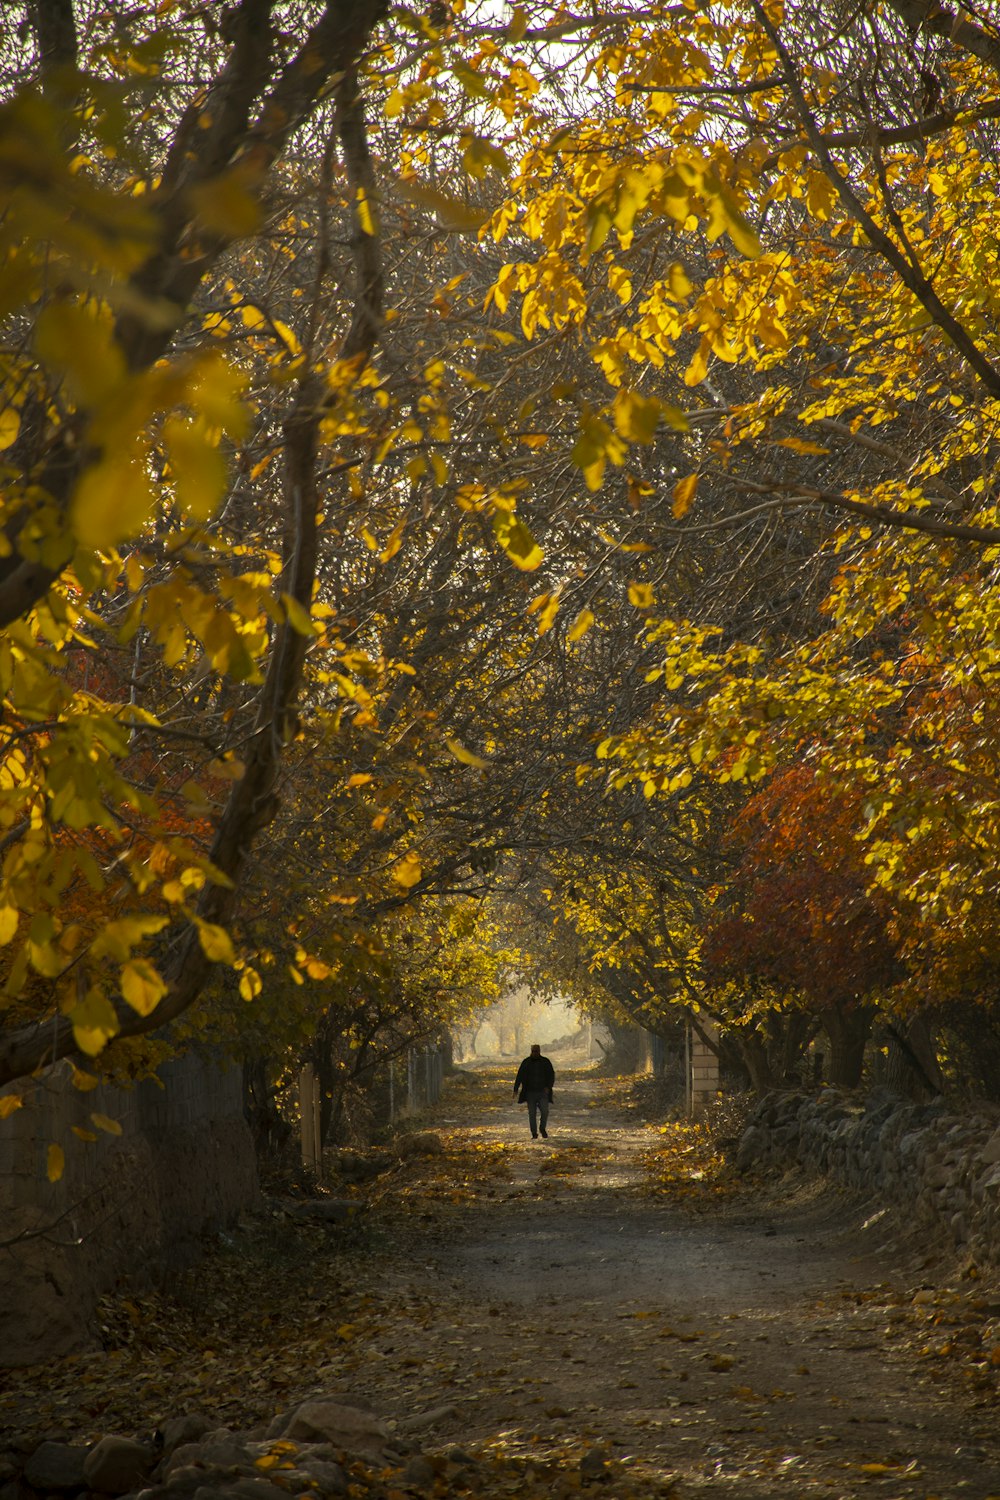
10	426
725	217
142	986
636	417
698	368
55	1163
394	543
297	616
601	220
518	543
216	944
83	1081
580	625
119	938
481	155
547	613
365	211
360	778
226	205
113	499
8	923
452	212
85	1135
641	595
878	1468
684	493
214	391
197	467
678	282
9	1103
80	345
467	757
94	1022
105	1123
250	984
800	445
407	871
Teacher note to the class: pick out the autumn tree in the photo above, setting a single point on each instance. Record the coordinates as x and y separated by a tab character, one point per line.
674	452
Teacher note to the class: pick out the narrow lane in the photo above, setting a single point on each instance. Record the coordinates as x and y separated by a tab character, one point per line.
717	1352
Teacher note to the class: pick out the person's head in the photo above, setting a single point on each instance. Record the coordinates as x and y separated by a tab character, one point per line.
536	1050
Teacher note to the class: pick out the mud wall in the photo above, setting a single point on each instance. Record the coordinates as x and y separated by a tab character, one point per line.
129	1205
942	1167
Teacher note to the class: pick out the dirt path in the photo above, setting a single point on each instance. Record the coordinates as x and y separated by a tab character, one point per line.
570	1321
566	1310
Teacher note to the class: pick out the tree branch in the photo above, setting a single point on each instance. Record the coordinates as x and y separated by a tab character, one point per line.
185	254
905	520
909	275
253	801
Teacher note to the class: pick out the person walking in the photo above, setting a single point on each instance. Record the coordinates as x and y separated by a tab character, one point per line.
533	1086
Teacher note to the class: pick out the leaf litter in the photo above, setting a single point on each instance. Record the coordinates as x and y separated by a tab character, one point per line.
622	1387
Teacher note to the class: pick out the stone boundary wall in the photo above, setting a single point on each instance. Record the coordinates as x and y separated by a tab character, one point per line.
127	1207
943	1168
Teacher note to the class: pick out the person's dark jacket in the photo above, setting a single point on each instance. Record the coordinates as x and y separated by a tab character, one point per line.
534	1076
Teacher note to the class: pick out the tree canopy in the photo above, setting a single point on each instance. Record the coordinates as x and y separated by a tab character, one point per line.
504	477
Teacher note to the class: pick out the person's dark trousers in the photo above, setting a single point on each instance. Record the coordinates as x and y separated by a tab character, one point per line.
538	1109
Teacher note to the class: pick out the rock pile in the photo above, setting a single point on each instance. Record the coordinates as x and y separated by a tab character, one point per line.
943	1167
322	1447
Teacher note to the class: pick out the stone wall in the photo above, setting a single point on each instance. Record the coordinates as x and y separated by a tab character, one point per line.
127	1207
943	1168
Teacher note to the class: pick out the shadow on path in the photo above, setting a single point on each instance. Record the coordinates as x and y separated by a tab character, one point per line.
725	1349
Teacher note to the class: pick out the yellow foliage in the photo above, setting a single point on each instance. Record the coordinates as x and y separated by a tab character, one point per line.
142	986
407	871
684	493
467	757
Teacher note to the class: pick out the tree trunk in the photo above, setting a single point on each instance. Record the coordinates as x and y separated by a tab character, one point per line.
753	1051
848	1030
911	1067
